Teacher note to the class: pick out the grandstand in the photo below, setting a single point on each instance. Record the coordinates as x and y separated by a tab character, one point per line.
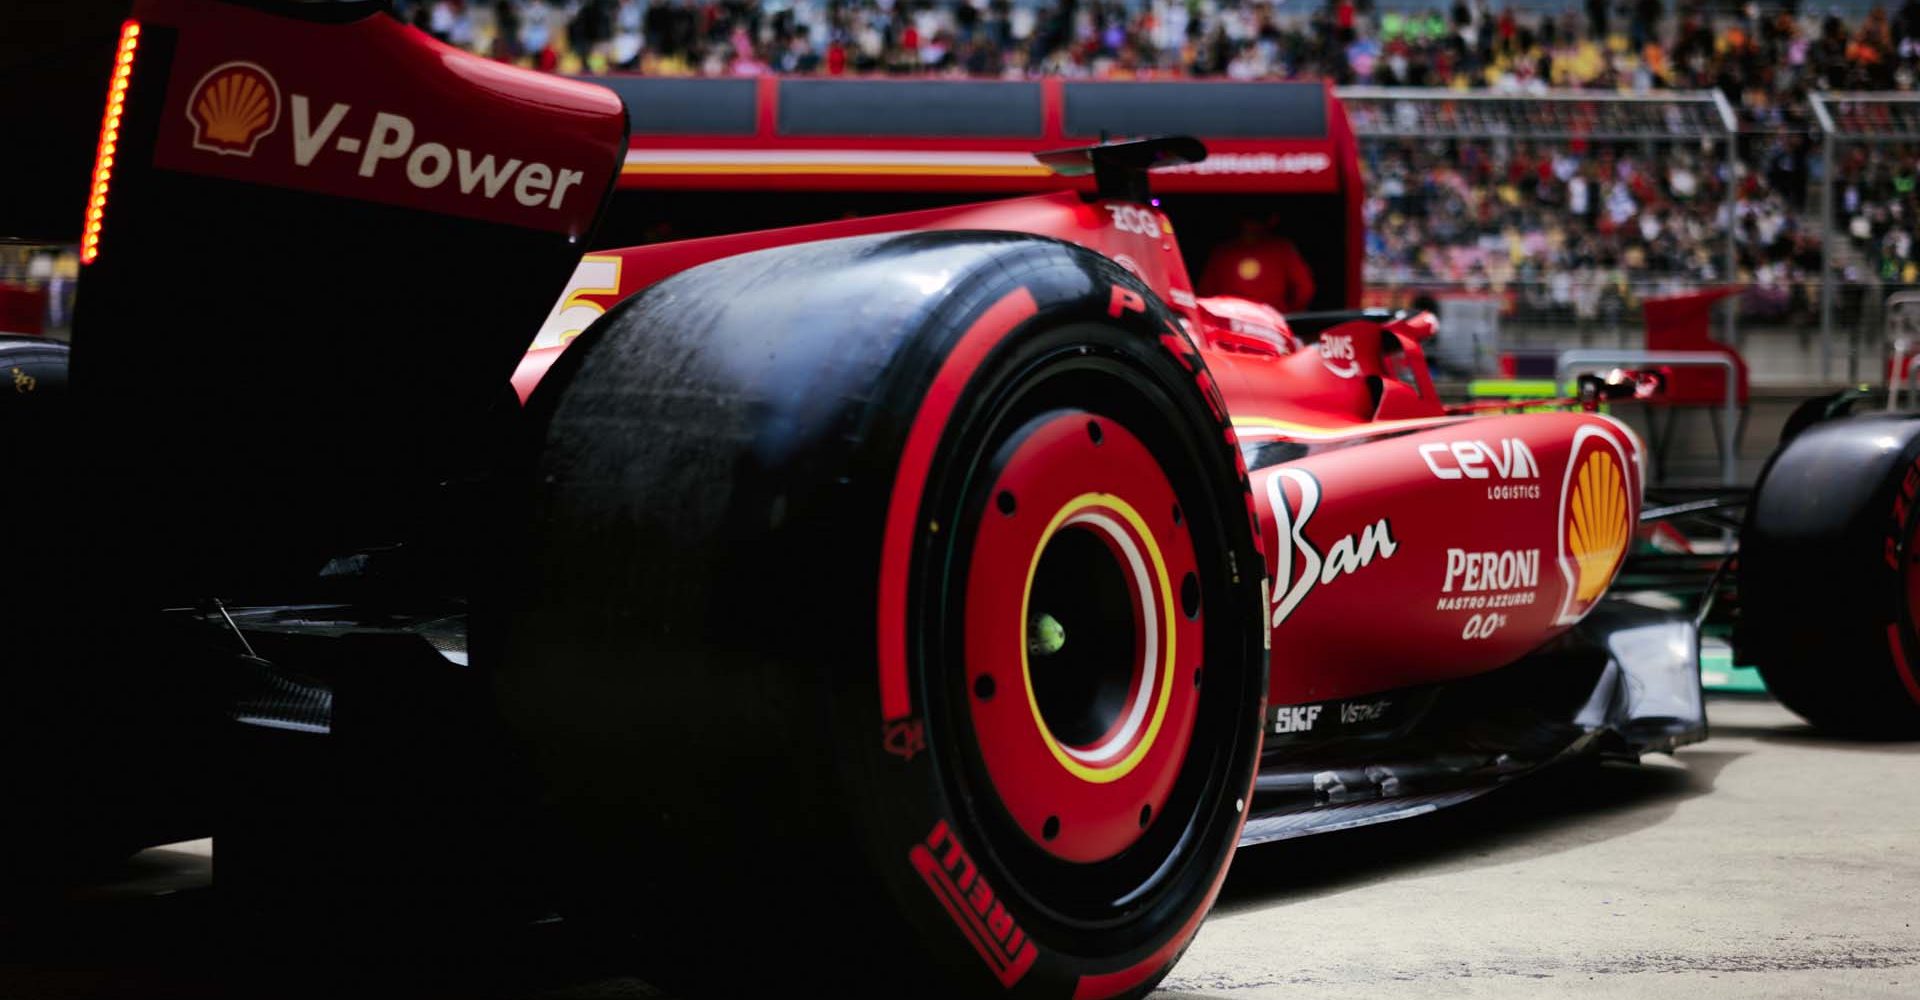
1569	212
1571	223
1766	56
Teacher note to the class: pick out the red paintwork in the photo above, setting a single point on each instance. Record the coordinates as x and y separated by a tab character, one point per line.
1386	517
263	99
1064	481
1396	533
23	309
1685	323
1427	528
1365	457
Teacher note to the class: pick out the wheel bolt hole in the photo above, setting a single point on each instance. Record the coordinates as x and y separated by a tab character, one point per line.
1196	677
983	687
1051	828
1093	430
1005	502
1176	513
1146	815
1190	596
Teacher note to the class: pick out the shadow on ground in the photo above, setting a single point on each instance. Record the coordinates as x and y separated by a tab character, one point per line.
1557	810
1804	735
152	929
145	938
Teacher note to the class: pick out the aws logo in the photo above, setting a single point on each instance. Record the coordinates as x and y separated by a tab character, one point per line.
232	108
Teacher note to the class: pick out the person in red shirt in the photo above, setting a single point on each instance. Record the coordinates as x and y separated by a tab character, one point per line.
1260	265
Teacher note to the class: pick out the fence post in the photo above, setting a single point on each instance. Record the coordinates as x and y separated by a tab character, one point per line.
1733	253
1826	253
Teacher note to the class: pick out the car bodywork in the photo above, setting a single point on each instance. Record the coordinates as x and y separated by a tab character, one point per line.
373	255
1480	537
709	156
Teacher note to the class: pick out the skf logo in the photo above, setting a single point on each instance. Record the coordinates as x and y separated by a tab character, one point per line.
1296	720
232	108
982	919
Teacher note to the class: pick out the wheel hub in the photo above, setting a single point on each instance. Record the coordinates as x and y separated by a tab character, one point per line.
1083	635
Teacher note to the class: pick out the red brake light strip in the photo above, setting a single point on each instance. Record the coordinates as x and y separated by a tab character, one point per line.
109	142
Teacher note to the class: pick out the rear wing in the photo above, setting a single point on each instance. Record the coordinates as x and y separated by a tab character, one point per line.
317	243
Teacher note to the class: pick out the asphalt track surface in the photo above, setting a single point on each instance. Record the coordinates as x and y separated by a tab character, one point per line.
1767	862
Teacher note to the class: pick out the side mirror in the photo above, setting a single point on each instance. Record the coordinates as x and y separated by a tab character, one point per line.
1620	383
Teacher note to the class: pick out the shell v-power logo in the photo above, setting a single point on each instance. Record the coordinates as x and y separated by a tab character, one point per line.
232	108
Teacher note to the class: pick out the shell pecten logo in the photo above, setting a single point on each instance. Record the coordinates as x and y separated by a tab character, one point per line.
1597	529
232	108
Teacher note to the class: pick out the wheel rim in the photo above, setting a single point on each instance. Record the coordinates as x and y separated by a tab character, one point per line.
1075	624
1126	854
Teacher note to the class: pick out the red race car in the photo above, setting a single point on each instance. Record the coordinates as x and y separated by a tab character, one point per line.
924	602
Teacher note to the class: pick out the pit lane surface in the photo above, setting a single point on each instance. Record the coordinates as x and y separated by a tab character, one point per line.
1767	862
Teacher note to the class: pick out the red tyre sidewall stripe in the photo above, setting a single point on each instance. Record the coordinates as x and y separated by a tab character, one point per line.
1900	558
1901	663
909	483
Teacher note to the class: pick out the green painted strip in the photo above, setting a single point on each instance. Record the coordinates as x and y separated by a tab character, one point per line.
1718	674
1511	388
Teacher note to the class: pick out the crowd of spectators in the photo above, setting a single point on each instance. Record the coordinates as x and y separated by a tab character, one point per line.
1876	203
1582	231
961	37
1765	56
1566	230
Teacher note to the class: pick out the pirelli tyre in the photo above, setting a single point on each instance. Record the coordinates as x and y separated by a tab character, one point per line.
891	622
1830	576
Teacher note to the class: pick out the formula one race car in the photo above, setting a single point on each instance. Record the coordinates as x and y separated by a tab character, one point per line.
926	602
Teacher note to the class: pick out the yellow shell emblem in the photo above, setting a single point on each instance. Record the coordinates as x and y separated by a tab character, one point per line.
233	106
1597	529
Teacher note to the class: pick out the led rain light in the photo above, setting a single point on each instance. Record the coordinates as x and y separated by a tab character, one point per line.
109	142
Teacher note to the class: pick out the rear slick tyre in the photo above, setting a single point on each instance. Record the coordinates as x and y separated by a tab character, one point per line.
892	614
1830	576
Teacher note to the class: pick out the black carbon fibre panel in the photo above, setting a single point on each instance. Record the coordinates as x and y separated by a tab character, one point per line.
1288	823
